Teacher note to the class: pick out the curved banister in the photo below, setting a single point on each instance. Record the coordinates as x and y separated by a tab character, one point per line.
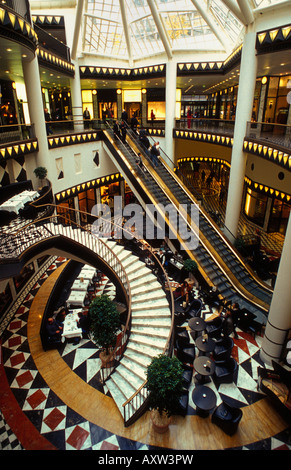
120	342
124	278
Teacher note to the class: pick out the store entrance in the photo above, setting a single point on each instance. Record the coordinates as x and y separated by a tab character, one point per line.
133	109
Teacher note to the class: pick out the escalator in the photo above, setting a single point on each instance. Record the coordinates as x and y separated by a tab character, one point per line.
214	254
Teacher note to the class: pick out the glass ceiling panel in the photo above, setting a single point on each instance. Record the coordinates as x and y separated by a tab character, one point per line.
226	19
185	28
265	3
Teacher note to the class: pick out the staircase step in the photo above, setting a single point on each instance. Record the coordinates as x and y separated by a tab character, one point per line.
157	295
145	280
161	322
154	332
135	348
141	359
139	368
140	273
149	305
151	286
150	314
147	341
117	395
128	374
124	386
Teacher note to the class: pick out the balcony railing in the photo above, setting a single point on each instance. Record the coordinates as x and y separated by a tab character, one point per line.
16	133
270	133
217	126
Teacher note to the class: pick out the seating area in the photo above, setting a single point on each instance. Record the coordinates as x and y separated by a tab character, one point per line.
75	291
205	348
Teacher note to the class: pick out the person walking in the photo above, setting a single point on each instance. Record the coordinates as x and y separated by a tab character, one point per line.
155	152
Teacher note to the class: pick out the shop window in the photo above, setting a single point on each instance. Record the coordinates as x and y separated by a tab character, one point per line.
108	193
87	100
66	215
255	207
159	108
279	217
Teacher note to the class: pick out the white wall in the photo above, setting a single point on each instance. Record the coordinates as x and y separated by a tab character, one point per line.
77	164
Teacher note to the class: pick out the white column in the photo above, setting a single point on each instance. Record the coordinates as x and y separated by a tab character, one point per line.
246	88
36	111
76	98
171	75
279	318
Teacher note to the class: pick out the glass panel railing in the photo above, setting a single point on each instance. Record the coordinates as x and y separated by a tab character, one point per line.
217	126
270	132
16	133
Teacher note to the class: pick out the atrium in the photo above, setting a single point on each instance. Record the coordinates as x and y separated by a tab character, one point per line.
89	89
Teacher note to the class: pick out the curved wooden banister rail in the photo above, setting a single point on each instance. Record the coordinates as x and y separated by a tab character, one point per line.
122	340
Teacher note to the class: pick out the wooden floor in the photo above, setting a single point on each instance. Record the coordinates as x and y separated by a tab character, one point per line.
259	421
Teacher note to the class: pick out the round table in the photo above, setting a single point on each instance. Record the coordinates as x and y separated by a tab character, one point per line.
204	399
196	325
205	345
204	367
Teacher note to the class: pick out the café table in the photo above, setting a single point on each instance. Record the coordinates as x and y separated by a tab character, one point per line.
205	344
70	326
196	325
76	298
12	205
87	272
81	284
30	193
204	399
204	367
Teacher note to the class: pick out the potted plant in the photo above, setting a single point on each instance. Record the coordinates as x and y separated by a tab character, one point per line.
165	386
41	173
105	323
190	265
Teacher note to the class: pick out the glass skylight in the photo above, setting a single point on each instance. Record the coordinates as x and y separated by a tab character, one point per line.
141	28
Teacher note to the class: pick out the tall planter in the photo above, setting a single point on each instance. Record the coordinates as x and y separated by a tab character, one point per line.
41	173
165	386
105	323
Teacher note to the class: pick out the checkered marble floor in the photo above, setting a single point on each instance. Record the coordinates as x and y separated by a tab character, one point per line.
65	429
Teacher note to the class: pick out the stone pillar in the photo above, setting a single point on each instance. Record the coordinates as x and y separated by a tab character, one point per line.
36	111
246	89
279	318
171	75
76	97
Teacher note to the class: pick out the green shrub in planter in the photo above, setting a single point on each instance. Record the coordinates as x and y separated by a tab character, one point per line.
40	172
190	265
165	383
105	322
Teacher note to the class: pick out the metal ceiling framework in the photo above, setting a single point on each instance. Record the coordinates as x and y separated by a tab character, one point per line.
134	29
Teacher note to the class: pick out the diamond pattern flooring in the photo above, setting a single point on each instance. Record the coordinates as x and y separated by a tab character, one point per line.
64	429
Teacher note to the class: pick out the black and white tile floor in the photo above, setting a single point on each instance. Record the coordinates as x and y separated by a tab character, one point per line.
67	430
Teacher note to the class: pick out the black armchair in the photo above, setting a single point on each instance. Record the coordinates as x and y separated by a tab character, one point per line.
227	418
183	337
225	371
187	376
185	353
183	404
214	327
194	308
223	349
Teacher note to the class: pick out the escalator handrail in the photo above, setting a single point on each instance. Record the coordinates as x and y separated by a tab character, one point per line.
190	191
